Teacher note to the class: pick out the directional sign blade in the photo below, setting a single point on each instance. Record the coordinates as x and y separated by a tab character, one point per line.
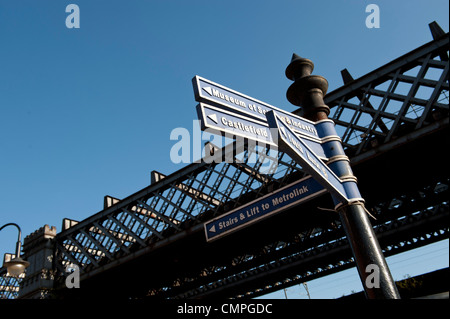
292	144
221	121
270	204
219	95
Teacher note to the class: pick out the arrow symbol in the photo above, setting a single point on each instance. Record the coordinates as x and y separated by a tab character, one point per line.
213	117
208	90
213	229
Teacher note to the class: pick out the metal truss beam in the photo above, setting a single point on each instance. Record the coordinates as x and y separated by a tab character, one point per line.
402	96
150	215
9	286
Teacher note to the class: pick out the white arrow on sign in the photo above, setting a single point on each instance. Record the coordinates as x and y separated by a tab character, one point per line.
208	90
213	117
213	229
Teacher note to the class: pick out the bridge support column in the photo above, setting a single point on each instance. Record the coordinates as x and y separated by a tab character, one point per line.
308	91
38	250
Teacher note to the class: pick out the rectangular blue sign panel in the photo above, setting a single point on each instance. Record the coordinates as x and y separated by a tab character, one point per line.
293	145
210	92
218	120
270	204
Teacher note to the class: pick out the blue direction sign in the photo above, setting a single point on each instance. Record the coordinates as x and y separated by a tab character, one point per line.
275	202
292	144
221	121
213	93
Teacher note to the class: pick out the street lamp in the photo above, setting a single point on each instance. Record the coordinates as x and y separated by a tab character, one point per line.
17	265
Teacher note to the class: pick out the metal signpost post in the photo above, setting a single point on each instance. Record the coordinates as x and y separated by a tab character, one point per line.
307	91
309	142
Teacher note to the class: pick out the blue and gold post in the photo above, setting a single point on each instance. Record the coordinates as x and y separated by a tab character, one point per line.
308	91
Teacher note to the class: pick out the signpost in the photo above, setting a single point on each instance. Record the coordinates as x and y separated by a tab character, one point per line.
240	115
308	91
268	205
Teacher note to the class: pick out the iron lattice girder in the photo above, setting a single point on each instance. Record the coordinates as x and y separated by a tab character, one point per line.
9	286
119	228
392	97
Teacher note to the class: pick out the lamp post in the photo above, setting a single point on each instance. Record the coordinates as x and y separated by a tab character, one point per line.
17	265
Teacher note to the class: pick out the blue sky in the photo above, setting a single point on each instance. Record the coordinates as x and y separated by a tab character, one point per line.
88	112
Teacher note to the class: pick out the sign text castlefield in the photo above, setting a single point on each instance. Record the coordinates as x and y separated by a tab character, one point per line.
243	127
222	121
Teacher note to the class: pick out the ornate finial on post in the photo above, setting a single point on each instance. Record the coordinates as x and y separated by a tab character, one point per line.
307	90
